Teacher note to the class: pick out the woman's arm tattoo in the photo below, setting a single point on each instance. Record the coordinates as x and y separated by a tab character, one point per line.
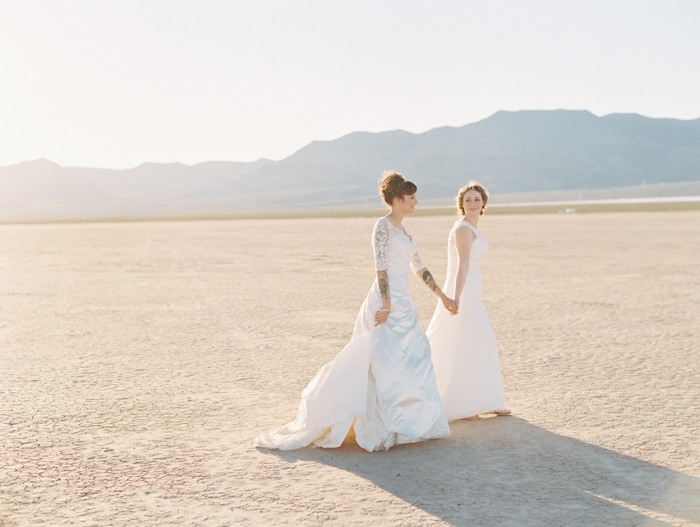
429	280
384	285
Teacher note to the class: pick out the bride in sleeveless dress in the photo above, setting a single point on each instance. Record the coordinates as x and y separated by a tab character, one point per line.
382	383
464	351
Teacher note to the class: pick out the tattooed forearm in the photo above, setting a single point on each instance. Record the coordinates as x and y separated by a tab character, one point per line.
384	289
383	285
429	280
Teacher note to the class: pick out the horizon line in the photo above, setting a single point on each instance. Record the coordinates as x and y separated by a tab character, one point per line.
133	167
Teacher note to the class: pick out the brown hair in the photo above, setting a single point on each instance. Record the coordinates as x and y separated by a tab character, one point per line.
472	185
394	185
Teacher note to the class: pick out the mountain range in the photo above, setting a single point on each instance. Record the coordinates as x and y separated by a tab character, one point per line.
510	152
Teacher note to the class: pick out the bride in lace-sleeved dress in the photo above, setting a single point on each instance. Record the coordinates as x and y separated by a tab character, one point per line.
382	383
465	355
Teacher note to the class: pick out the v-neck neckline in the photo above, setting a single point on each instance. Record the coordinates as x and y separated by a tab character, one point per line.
401	230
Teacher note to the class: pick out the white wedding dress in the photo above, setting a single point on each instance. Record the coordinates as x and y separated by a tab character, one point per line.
382	383
465	355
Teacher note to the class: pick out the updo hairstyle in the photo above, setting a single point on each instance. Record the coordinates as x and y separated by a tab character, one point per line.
472	185
394	185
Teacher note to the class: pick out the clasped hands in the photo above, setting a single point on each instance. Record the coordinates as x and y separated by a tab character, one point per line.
451	305
380	316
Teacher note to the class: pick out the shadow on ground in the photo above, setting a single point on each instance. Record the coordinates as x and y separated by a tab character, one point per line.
506	471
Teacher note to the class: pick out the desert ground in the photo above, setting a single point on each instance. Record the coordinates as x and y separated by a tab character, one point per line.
139	361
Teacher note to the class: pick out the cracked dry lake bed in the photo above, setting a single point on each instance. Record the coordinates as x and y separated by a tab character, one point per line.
139	360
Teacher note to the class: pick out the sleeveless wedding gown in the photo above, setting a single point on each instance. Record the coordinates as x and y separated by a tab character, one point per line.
465	355
382	383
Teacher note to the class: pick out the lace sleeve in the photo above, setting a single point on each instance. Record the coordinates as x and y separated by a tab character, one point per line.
380	242
416	263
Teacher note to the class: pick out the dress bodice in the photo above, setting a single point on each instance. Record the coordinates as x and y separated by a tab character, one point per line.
395	250
477	253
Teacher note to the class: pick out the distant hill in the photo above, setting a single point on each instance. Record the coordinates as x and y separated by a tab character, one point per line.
509	152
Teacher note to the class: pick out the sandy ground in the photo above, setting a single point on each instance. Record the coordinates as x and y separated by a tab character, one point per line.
139	360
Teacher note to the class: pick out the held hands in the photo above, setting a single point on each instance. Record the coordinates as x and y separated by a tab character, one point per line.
381	315
451	305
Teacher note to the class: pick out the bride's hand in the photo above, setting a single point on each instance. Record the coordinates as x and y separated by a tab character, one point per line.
450	305
456	306
381	316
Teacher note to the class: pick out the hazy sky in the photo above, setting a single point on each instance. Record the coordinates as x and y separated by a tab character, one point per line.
116	83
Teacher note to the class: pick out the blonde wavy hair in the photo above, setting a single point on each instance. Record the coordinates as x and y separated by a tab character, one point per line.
472	185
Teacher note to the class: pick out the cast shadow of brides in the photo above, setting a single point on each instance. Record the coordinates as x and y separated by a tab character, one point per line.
506	471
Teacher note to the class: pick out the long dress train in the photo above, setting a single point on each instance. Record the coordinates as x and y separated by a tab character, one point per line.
382	383
464	351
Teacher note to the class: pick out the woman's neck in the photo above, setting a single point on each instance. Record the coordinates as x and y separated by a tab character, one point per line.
396	217
472	221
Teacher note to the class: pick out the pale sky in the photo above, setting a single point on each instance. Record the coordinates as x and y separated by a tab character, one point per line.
115	83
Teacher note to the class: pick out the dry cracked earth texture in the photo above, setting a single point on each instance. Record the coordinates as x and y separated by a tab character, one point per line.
139	360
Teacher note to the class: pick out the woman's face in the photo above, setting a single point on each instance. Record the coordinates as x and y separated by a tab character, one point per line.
407	204
472	203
